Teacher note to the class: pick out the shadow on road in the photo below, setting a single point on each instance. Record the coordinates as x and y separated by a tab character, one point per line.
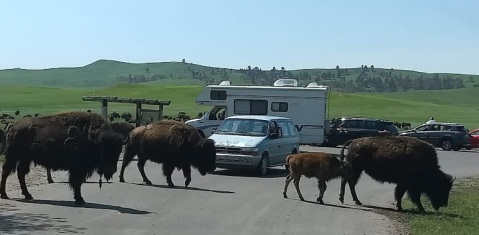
332	205
29	223
413	211
91	205
183	188
272	173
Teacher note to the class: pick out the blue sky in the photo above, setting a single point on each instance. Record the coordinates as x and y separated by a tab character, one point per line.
426	35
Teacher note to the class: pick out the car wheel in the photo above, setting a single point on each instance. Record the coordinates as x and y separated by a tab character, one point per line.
457	148
446	145
263	165
468	148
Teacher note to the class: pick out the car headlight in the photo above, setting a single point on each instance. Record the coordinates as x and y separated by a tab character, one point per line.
249	151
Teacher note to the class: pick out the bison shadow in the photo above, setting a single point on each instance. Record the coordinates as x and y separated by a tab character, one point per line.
183	188
90	205
332	205
33	223
413	211
271	173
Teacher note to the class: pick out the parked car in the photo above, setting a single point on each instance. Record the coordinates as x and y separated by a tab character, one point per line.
473	139
255	142
346	129
445	135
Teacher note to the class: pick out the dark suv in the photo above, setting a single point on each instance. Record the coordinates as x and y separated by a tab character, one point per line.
346	129
445	135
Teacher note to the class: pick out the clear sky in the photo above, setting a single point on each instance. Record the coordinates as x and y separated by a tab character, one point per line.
425	35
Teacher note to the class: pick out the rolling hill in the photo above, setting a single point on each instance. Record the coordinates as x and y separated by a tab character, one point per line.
106	73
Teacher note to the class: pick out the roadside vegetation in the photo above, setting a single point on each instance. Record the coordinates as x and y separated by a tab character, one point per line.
460	217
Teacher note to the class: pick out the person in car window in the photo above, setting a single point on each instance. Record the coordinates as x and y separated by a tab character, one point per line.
274	130
431	120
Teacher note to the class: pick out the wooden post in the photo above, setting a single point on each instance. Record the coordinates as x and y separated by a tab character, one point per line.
104	109
138	110
160	113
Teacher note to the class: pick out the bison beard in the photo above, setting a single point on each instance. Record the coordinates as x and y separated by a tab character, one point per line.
172	143
55	145
410	163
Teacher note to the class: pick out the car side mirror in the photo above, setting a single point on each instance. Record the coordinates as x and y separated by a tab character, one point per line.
213	130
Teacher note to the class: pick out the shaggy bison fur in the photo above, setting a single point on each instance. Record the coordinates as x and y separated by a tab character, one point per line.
77	142
410	163
323	166
172	143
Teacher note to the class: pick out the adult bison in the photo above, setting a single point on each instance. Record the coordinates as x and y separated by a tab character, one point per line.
122	128
77	142
172	143
410	163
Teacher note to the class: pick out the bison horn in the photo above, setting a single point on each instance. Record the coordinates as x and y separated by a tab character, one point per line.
452	181
126	140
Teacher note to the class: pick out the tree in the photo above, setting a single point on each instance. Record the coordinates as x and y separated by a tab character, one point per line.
147	70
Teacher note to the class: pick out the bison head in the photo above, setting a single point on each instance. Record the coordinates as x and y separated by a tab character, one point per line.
110	145
205	160
438	190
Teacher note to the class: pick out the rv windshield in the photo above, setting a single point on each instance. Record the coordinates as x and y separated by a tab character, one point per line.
247	127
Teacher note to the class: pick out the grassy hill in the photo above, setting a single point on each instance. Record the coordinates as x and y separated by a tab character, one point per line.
106	73
458	105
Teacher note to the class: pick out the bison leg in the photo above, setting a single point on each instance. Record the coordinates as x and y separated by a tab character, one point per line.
296	185
8	167
127	157
76	181
398	194
322	188
49	176
22	170
288	180
352	181
141	168
342	189
415	197
187	175
168	171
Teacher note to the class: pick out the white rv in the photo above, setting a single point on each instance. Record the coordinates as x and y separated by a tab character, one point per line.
306	106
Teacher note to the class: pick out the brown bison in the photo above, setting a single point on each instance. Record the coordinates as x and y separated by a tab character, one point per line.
122	128
77	142
172	143
410	163
323	166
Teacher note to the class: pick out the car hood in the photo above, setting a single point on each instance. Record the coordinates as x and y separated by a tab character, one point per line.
407	131
236	140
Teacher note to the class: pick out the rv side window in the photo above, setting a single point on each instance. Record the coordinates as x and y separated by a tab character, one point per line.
218	95
251	107
279	107
292	129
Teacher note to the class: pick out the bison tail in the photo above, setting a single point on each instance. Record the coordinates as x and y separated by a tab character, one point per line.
343	148
288	158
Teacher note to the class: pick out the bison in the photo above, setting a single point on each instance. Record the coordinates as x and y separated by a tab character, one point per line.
323	166
122	128
172	143
77	142
408	162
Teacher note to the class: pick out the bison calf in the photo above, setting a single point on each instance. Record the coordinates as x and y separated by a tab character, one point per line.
323	166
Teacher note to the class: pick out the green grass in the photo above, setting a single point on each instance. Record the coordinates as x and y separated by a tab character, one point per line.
460	217
413	106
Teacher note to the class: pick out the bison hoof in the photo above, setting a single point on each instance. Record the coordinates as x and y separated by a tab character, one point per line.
148	182
187	182
171	185
301	198
358	203
320	201
28	197
122	180
284	195
4	196
50	181
341	200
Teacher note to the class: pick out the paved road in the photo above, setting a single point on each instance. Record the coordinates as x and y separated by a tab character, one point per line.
223	203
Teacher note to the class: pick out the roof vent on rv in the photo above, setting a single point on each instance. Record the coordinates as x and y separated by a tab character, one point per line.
315	85
225	83
286	82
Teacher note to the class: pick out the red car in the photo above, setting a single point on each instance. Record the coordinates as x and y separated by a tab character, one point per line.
474	138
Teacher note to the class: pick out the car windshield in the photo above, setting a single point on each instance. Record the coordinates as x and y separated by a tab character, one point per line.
247	127
389	126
